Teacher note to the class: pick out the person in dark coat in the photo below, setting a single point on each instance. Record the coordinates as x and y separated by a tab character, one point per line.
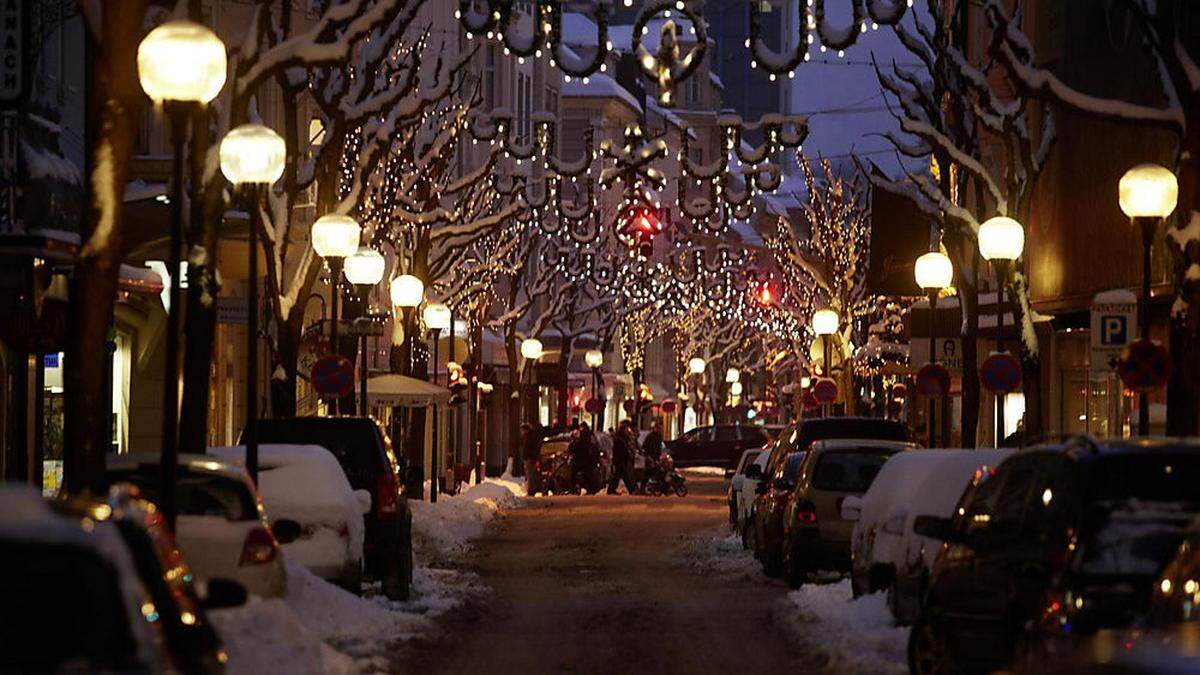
585	452
624	448
652	447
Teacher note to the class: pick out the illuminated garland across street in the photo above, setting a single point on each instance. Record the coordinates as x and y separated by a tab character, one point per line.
812	17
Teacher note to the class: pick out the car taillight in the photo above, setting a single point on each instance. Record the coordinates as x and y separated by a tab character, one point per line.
387	496
259	548
806	513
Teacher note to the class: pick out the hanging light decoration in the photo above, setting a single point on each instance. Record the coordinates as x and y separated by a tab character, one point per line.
813	17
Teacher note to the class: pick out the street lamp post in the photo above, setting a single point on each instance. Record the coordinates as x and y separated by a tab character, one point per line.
364	269
181	65
437	319
933	272
1001	242
252	157
531	349
407	292
1148	194
594	358
335	237
825	324
733	376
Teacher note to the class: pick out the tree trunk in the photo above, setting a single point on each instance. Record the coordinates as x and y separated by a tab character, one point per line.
514	403
114	104
1183	389
284	366
969	298
1030	355
564	358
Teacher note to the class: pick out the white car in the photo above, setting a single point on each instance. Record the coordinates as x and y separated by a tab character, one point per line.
885	552
305	484
738	507
748	490
221	526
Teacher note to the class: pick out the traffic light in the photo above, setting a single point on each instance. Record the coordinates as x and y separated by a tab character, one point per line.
641	224
764	295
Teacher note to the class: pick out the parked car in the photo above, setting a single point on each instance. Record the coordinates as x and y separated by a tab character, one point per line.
815	535
368	462
719	445
769	506
304	484
1063	541
95	585
751	478
803	433
221	527
885	553
733	495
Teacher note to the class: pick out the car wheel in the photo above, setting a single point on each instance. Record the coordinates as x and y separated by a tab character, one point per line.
927	653
793	572
397	579
771	560
681	490
351	578
748	535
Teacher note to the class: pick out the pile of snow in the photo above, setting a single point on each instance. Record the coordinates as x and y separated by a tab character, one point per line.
722	555
320	628
449	524
855	635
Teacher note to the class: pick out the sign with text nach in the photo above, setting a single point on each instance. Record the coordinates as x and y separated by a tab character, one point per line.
12	51
1114	325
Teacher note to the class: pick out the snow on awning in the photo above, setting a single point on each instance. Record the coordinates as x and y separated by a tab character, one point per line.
392	389
139	280
46	164
139	190
716	81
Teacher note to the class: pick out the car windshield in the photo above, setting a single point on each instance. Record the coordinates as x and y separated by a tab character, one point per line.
850	470
1138	509
196	494
62	611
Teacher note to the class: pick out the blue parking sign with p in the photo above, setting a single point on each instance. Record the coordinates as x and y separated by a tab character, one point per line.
1114	329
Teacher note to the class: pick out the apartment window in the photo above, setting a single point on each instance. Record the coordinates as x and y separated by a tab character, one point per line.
550	102
524	103
691	89
489	77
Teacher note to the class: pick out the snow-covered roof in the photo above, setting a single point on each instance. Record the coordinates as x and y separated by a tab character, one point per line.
670	116
746	232
716	81
599	85
578	30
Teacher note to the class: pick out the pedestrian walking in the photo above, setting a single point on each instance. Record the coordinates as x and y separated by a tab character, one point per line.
531	446
652	447
585	455
624	448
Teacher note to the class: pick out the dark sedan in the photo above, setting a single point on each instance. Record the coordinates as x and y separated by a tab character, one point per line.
719	445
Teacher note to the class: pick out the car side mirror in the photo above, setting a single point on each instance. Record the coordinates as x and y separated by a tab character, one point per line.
852	508
286	531
936	527
364	500
753	472
224	594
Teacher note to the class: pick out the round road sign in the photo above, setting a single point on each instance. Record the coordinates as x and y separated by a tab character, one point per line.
825	390
933	380
332	376
1000	373
593	405
668	407
1144	366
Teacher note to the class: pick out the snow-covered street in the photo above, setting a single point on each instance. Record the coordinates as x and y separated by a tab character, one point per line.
608	584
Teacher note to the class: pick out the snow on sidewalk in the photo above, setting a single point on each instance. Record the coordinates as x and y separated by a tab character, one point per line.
447	526
320	629
856	635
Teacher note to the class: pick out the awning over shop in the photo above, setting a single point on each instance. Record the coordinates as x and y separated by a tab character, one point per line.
386	390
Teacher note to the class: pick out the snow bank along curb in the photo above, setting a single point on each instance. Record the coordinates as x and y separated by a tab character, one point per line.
320	629
854	634
447	526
